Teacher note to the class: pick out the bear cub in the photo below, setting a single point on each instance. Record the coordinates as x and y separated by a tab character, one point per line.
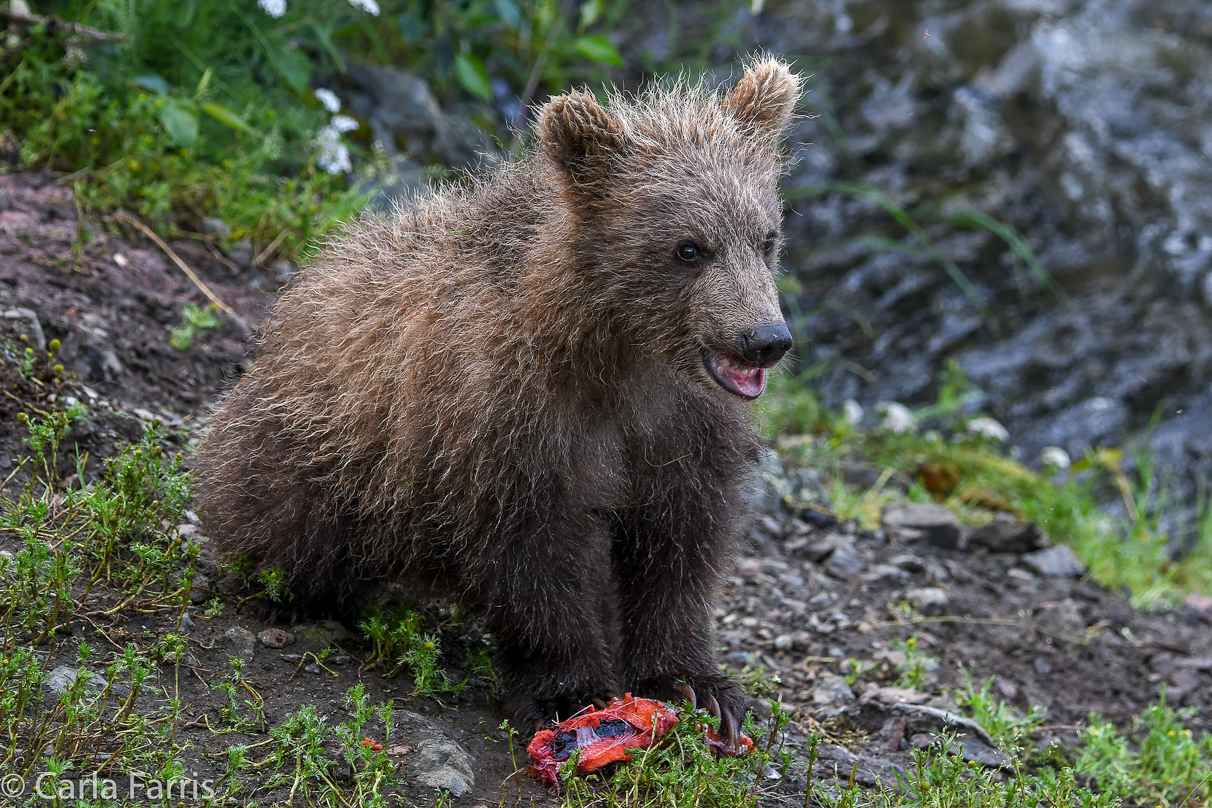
531	396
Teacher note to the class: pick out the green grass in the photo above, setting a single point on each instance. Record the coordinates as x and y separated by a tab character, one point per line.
977	478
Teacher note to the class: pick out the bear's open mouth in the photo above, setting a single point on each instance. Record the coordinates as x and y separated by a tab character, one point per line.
736	376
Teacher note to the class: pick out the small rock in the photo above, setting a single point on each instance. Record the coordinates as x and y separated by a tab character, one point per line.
1059	561
187	626
831	690
214	226
276	638
33	326
885	573
783	642
844	562
241	253
63	677
908	562
1005	535
935	525
200	591
1042	667
293	659
987	756
929	600
1063	619
445	764
1006	688
312	668
1201	605
240	642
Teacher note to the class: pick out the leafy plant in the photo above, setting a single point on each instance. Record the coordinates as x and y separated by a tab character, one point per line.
194	320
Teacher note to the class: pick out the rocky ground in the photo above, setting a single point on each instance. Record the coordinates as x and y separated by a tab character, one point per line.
816	613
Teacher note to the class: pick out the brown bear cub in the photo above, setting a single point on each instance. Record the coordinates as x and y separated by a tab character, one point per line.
531	396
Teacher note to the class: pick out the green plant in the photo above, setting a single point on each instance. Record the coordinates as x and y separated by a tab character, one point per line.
682	771
194	320
1007	728
1169	765
915	669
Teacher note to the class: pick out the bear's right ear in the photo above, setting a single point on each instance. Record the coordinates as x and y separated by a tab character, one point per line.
764	99
580	137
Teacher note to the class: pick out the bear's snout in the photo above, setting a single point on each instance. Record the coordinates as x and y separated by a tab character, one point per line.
765	344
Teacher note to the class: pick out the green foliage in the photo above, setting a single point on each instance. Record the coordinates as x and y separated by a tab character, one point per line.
535	45
917	666
396	641
1169	765
1003	723
682	772
200	110
194	320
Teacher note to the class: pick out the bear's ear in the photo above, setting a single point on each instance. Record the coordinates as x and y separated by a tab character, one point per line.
763	100
578	134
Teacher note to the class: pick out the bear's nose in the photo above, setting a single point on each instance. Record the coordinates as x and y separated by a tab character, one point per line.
765	344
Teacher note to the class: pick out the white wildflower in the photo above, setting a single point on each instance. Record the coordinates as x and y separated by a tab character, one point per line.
371	7
987	427
329	99
898	419
852	411
343	123
334	154
274	8
1054	456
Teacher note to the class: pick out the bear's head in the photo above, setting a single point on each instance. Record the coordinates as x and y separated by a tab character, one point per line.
676	218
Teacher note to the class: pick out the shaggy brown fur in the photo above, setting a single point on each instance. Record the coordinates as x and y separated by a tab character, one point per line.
504	395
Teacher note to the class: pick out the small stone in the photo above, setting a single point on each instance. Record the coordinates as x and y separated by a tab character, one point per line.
908	562
1005	535
1201	605
929	600
276	638
216	227
241	253
240	642
444	764
1063	619
1042	667
200	591
312	668
1058	562
187	625
987	756
934	525
783	642
885	573
831	690
293	659
33	325
63	677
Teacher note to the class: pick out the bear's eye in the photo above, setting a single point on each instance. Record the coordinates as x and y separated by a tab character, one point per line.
768	244
688	252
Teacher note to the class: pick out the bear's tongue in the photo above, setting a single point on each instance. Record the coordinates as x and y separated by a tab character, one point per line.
744	380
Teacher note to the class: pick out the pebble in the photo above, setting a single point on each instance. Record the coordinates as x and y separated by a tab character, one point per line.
1005	535
240	642
1063	619
187	626
831	690
276	638
1058	562
929	600
935	525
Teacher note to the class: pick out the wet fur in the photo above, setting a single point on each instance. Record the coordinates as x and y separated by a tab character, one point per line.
497	395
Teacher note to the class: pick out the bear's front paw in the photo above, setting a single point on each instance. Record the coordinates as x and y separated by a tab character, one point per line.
718	694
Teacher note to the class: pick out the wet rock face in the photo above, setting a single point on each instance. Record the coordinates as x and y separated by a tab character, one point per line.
1082	124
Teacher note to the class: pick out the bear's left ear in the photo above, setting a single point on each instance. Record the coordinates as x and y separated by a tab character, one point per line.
764	99
580	137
